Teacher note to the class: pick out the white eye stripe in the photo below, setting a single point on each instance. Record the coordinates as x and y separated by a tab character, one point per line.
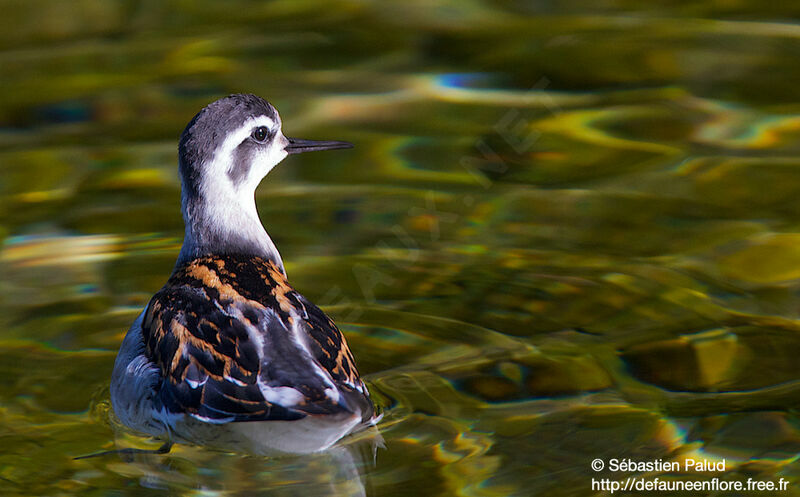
260	121
253	124
233	140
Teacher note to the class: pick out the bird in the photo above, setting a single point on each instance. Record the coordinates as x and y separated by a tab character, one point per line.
227	354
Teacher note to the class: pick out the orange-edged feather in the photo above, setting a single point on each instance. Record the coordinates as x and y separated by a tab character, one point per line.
235	342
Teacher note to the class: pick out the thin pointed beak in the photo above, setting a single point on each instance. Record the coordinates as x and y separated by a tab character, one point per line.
296	145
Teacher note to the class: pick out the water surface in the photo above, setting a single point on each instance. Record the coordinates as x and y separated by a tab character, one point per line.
567	231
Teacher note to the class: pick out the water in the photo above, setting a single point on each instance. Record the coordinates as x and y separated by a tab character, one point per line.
567	231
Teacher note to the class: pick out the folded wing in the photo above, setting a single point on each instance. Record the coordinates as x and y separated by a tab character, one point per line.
236	343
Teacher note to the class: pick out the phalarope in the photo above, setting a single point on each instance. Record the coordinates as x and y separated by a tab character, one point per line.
227	354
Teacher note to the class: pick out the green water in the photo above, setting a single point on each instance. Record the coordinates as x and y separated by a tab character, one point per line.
567	231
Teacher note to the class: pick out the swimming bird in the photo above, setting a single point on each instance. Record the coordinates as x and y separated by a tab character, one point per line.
227	353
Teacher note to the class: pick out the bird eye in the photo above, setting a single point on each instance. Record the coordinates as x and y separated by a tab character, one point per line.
260	133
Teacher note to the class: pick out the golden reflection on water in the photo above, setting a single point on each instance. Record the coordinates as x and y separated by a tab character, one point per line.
566	232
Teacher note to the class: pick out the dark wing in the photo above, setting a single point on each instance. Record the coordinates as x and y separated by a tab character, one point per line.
329	348
209	362
328	345
226	335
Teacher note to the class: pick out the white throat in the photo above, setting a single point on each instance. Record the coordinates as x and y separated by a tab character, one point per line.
227	225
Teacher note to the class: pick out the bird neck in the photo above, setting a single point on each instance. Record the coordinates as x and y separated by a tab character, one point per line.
224	223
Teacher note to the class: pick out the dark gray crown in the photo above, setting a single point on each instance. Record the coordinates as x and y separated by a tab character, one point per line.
207	130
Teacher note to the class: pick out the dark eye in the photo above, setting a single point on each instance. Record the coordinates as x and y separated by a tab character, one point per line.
260	134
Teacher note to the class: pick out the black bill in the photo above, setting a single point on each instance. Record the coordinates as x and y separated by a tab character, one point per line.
296	145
